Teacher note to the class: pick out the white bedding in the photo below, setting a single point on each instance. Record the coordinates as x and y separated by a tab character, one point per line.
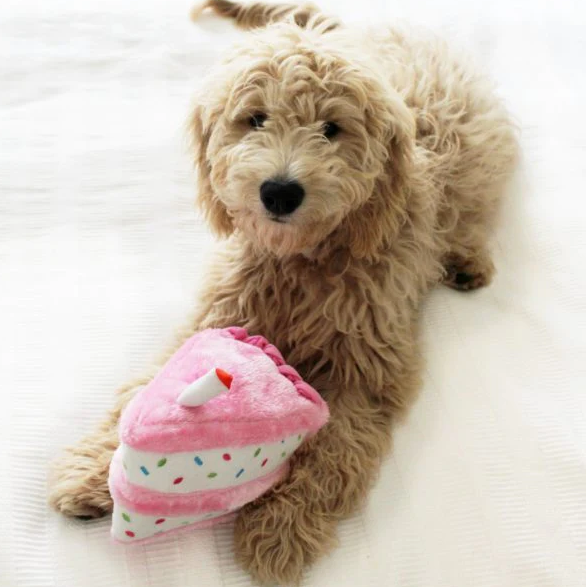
101	253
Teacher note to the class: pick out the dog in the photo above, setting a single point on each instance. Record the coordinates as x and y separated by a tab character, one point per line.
349	172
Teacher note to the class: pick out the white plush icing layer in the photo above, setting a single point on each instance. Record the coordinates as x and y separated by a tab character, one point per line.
205	470
129	526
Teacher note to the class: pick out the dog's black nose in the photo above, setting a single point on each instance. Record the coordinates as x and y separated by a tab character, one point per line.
281	197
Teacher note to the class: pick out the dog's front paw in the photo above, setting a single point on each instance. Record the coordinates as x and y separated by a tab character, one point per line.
277	536
466	274
79	482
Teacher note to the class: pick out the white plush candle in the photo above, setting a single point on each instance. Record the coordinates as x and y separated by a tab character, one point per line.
212	384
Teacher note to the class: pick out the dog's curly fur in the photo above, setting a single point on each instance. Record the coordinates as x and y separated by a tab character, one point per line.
403	197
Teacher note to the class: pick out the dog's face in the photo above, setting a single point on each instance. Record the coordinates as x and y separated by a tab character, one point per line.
292	138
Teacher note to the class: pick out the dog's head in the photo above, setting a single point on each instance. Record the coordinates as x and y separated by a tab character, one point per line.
298	141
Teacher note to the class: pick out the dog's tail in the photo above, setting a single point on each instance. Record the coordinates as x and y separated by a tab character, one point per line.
258	14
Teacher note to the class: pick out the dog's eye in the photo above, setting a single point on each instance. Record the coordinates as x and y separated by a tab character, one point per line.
257	120
330	130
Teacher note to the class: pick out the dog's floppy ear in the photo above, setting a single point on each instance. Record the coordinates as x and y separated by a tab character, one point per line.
201	125
378	221
260	14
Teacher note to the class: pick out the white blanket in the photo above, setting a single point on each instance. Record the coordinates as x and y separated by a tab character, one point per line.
101	252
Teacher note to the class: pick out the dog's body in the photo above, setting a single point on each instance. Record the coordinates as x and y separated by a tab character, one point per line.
403	196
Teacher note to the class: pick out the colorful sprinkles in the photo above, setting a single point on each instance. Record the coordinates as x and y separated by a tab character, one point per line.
275	452
235	470
230	466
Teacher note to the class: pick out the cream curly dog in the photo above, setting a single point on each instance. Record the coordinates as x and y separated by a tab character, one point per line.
351	172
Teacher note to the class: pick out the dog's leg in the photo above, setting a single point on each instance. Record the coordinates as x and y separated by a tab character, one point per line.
474	192
295	524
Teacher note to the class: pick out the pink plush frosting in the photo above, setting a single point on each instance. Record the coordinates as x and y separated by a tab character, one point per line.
267	400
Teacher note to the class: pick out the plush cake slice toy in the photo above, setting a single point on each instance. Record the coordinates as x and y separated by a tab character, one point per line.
212	431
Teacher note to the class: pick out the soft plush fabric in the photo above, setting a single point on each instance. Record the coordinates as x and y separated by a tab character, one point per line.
213	430
267	399
140	514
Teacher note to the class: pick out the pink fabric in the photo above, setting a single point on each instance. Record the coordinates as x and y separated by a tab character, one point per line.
145	501
266	402
267	399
